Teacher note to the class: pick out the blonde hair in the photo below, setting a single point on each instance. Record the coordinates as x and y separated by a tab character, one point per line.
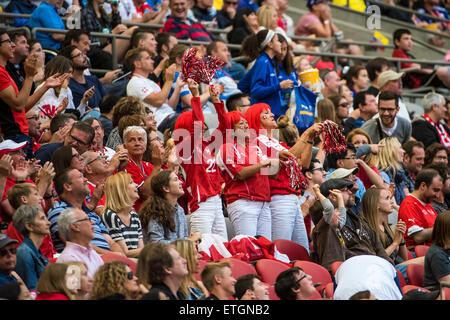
369	159
53	280
116	195
287	130
16	192
298	62
265	15
109	279
211	270
325	110
80	265
387	156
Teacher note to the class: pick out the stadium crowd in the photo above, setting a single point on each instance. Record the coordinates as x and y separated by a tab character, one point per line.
111	183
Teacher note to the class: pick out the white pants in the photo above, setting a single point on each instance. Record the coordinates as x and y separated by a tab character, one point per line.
287	219
209	218
250	218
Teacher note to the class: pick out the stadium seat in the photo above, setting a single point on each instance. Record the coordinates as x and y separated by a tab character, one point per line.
240	268
329	290
272	294
410	255
409	287
318	273
269	270
445	293
115	257
334	266
401	278
415	274
292	249
421	250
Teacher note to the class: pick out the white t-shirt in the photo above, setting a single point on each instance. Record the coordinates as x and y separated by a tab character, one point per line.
141	87
126	9
367	272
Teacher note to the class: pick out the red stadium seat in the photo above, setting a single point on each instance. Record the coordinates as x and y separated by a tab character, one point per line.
409	287
272	294
421	250
240	268
401	278
116	257
335	265
415	274
269	270
318	273
445	293
292	249
329	290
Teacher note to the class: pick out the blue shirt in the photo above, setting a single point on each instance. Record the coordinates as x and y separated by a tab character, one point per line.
46	16
99	228
30	263
78	89
230	86
6	278
261	83
184	91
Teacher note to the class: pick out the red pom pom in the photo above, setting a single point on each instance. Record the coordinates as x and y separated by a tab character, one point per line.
294	169
334	140
199	70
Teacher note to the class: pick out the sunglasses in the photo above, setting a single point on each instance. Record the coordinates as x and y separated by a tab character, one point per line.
130	275
4	252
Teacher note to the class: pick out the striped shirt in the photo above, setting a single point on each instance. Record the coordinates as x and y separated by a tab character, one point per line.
99	228
187	29
120	231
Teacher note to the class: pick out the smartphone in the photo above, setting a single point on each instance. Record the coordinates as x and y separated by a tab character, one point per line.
122	77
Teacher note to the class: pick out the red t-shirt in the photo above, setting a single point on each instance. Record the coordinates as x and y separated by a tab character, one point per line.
417	215
412	79
139	176
9	183
231	159
362	175
143	8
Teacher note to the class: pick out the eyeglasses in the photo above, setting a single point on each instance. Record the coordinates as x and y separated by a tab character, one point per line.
81	220
6	40
4	252
320	168
344	104
78	140
383	110
79	55
91	161
76	155
130	275
301	278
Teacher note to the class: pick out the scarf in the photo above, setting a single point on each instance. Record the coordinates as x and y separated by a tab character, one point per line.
443	135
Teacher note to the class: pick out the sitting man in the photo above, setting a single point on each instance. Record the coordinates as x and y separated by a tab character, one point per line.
218	280
250	287
294	284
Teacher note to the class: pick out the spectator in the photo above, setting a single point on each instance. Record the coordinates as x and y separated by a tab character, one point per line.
32	223
184	27
341	108
67	157
14	291
317	21
36	49
76	228
367	273
225	16
365	108
135	141
8	260
284	20
416	209
376	206
82	280
190	288
238	102
27	194
163	219
430	128
288	131
52	284
357	78
437	269
166	271
247	189
436	153
261	81
432	8
106	113
325	111
46	16
115	277
287	71
268	19
57	129
205	204
152	96
80	83
374	68
403	45
389	123
294	284
390	166
205	13
413	161
250	287
441	203
34	126
218	280
392	81
15	66
20	7
330	81
72	190
245	24
96	172
165	41
118	215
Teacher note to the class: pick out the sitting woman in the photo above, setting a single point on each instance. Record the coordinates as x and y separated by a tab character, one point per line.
119	217
437	258
52	284
115	280
163	219
83	281
32	223
190	287
341	107
245	23
67	157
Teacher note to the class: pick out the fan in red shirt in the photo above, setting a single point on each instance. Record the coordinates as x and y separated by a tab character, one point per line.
287	220
198	161
416	209
247	189
135	141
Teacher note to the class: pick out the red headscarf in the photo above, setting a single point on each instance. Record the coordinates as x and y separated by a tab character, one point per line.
253	115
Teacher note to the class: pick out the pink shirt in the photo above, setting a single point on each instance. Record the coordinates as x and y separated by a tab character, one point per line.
308	19
75	252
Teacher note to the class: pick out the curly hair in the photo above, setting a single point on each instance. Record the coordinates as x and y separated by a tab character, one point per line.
432	150
125	107
157	207
109	279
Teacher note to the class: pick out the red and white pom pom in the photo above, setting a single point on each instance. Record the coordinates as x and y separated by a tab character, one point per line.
199	69
333	139
294	169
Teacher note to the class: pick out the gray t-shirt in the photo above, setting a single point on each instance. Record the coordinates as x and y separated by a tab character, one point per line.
437	265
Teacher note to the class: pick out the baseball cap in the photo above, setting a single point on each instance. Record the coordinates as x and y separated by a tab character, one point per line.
388	75
421	294
331	184
8	146
5	240
342	173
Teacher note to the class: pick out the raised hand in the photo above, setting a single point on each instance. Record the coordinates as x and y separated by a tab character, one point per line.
194	88
6	165
62	106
